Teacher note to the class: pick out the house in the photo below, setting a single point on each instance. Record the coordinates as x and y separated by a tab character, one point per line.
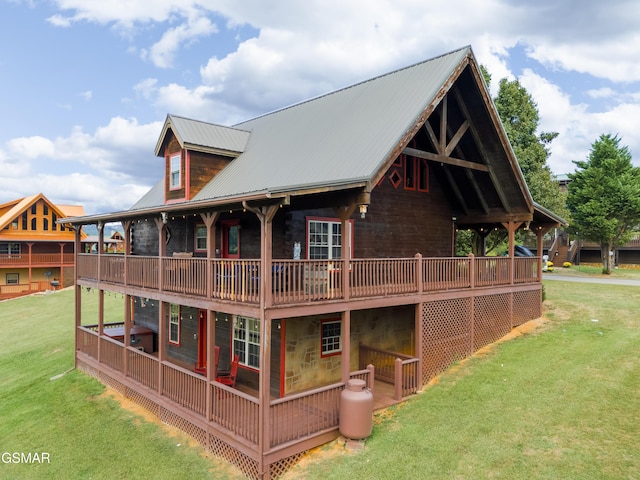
561	246
36	252
307	247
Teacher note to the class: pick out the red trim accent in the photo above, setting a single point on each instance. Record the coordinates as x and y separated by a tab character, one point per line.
169	157
187	178
224	232
420	163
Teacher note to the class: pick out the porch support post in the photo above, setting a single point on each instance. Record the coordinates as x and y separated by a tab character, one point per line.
265	214
77	288
100	321
346	345
61	264
127	331
211	363
30	245
126	226
540	233
162	249
209	220
511	228
344	214
418	329
162	341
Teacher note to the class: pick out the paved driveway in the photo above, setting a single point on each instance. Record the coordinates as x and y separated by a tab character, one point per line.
602	280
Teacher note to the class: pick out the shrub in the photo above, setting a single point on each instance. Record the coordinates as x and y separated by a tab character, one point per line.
566	264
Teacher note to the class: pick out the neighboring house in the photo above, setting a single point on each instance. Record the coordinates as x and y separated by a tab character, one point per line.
36	253
114	244
312	242
563	247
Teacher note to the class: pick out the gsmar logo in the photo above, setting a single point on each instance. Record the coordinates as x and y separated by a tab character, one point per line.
26	457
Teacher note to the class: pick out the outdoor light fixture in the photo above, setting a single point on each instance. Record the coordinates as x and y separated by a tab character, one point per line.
363	211
164	217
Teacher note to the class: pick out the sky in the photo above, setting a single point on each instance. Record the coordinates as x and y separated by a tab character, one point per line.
86	85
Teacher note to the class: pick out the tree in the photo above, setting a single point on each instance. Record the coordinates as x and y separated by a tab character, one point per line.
604	197
520	118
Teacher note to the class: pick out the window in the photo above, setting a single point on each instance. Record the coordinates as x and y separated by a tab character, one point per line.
325	239
9	249
54	219
246	340
416	174
45	224
174	323
25	220
331	337
34	223
175	170
34	209
201	237
13	278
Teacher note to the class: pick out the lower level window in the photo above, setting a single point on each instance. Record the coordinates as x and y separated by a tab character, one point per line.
174	323
331	337
246	340
13	278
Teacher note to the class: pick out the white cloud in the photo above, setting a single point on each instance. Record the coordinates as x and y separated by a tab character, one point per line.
302	49
117	161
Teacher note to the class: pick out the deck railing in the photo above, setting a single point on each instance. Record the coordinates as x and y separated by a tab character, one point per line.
392	367
446	273
111	353
36	259
235	411
236	280
374	277
491	271
526	270
184	387
302	415
302	281
142	367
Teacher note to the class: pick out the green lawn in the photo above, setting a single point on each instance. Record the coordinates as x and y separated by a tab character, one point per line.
559	403
85	433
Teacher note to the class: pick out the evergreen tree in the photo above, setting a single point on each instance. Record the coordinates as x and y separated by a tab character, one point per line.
604	197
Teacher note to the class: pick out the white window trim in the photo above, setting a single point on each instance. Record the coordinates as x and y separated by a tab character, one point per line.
173	159
174	319
201	227
241	324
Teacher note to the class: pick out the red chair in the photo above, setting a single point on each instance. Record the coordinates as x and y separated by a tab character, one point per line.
230	378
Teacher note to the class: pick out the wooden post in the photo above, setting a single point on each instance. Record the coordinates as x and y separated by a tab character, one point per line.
127	332
162	249
78	288
162	340
397	379
100	290
346	345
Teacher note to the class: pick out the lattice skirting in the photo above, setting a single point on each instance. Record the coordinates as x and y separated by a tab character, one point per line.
453	329
218	447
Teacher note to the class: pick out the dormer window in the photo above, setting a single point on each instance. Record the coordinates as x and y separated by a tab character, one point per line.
175	172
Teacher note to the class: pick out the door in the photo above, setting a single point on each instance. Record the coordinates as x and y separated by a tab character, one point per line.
230	239
201	362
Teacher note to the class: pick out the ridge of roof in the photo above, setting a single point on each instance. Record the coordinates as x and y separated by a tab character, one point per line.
353	85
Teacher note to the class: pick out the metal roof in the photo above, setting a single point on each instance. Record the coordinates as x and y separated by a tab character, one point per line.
203	136
336	139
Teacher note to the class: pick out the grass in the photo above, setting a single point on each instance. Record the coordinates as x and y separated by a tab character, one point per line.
596	270
558	403
86	434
